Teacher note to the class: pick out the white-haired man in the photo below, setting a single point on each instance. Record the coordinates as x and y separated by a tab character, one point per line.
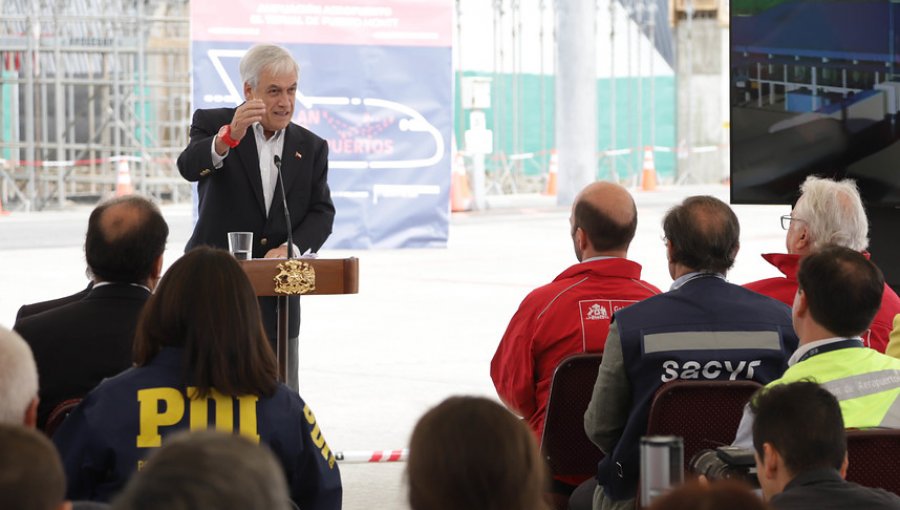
828	212
234	155
18	381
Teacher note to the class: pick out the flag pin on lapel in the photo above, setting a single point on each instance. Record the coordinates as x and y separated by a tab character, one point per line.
298	155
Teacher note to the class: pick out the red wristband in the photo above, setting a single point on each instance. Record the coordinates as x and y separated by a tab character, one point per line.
225	136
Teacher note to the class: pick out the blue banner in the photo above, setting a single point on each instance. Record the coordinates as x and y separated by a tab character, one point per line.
385	109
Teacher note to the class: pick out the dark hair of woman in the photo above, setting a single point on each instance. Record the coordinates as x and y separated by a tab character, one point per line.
205	305
471	452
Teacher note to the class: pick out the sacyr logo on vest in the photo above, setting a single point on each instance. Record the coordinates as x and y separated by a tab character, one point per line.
711	370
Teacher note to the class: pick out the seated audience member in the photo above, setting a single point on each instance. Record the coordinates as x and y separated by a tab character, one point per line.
801	452
827	213
26	311
18	407
838	293
571	314
202	361
470	452
31	477
79	344
18	381
721	495
703	328
207	470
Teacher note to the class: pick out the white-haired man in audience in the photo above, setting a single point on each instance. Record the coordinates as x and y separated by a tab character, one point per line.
828	212
18	381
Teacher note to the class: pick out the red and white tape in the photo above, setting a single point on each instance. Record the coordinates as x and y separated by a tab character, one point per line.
366	456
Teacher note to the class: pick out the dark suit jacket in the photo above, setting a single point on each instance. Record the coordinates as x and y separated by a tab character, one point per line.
824	489
231	197
43	306
79	344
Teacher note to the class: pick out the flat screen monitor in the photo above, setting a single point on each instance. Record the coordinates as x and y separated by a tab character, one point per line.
814	90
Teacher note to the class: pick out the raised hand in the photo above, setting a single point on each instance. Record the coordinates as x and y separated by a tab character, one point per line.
244	117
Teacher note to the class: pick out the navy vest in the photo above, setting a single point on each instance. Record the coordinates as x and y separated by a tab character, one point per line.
708	329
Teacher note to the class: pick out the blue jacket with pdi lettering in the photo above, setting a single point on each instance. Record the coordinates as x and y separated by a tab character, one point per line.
122	421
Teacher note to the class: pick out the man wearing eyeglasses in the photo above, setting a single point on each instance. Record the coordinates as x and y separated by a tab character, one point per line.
827	212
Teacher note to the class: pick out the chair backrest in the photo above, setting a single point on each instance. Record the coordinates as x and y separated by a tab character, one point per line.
874	458
565	446
58	414
705	414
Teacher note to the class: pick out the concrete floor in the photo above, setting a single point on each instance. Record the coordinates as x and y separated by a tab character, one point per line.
425	323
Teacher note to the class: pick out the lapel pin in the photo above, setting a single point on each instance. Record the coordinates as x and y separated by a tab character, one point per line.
298	155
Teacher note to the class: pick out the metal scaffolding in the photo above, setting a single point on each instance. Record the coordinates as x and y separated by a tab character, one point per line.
89	89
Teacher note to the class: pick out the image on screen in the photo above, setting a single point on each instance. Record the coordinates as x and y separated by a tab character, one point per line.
814	90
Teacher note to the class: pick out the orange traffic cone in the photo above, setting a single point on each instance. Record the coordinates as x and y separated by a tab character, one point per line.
123	179
648	175
552	173
460	195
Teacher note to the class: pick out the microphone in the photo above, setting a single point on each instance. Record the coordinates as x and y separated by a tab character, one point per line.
287	214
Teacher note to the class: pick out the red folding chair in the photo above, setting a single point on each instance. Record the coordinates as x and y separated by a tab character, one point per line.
568	451
705	414
58	415
874	458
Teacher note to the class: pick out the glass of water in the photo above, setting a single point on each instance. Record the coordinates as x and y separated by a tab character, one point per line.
240	244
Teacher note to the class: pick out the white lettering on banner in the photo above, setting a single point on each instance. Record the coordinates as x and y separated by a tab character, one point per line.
710	370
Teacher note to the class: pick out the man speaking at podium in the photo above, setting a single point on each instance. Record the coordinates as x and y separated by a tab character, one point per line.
234	155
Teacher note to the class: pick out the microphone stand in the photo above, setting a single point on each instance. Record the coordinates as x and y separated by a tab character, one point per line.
287	213
283	331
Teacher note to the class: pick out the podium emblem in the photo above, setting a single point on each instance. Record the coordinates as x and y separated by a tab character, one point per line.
295	277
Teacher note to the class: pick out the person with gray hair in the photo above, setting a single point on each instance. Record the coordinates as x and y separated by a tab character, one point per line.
828	212
235	156
18	381
207	469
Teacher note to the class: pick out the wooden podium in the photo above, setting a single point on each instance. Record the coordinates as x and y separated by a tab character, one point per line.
296	277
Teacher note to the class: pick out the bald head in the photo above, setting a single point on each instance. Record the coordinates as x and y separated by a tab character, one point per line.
604	219
125	240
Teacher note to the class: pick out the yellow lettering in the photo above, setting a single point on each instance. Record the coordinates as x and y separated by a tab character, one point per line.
247	417
151	419
199	410
140	465
224	412
310	417
317	438
326	454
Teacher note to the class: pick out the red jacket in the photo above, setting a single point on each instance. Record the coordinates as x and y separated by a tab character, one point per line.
568	316
784	288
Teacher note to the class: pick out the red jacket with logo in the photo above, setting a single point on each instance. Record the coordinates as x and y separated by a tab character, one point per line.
567	316
784	288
